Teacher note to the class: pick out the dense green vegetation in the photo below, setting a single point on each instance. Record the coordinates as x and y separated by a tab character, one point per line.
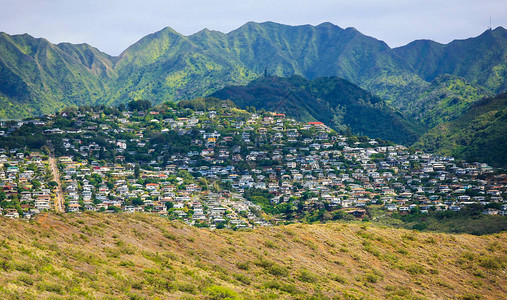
478	135
332	100
38	77
480	60
445	99
167	65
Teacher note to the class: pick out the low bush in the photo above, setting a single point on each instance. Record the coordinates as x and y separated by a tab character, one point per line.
308	276
216	292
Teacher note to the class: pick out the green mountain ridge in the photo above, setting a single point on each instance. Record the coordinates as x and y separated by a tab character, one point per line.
38	77
337	102
480	60
455	75
169	66
478	135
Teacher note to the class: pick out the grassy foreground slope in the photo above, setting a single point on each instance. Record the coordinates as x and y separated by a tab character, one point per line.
144	256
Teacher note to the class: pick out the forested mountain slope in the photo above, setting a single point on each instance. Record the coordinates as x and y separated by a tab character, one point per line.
478	135
38	77
337	102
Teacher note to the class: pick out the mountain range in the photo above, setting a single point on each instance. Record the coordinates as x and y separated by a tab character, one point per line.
38	76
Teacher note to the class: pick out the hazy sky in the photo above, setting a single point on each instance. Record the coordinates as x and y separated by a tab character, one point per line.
113	25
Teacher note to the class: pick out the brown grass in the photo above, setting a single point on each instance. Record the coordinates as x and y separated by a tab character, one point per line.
144	256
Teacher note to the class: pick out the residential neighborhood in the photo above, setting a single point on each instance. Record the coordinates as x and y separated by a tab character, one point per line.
217	166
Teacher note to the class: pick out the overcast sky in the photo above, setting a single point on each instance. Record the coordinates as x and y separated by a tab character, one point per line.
113	25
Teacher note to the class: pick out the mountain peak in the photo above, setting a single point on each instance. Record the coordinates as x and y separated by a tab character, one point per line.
168	31
353	29
249	24
328	26
207	31
498	32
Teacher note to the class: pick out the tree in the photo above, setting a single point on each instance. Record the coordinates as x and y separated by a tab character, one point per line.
36	184
139	105
121	107
137	201
169	205
136	171
114	208
185	175
102	153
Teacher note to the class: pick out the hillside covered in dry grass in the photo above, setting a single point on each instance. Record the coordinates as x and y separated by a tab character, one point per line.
140	256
